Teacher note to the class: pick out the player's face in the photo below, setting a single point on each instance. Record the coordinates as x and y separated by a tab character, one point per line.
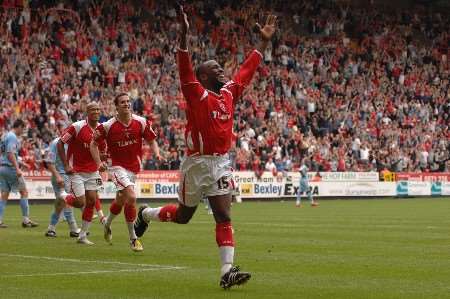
123	105
93	112
215	73
20	130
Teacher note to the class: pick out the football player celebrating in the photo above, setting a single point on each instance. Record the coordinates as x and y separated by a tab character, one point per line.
211	99
123	135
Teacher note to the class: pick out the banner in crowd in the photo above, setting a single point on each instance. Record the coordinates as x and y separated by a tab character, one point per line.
164	185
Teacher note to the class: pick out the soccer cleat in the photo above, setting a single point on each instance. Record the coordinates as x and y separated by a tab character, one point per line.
140	225
84	240
3	225
234	277
298	205
50	234
29	224
136	245
107	234
73	234
314	204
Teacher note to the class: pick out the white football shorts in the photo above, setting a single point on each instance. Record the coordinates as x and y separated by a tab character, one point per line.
122	177
84	181
204	176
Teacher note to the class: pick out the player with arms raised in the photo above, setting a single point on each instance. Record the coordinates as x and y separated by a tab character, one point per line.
211	99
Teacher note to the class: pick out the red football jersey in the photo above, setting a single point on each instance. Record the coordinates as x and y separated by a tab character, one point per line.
210	115
125	141
78	137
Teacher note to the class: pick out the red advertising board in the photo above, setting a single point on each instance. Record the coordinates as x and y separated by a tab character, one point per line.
423	177
159	176
37	175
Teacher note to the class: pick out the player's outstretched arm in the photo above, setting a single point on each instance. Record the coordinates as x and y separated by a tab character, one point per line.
266	32
191	88
246	71
183	19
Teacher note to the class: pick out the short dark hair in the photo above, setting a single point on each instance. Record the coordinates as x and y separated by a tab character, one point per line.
116	99
18	123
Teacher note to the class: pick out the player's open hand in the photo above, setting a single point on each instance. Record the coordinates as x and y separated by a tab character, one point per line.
269	28
183	19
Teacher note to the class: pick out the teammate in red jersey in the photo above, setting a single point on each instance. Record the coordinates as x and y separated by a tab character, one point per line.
211	99
80	167
123	135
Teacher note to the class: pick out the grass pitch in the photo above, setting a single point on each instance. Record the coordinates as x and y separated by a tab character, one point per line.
344	249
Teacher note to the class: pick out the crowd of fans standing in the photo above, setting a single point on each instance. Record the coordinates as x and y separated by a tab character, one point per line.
353	88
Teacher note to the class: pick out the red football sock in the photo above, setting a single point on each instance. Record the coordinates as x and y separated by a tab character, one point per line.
115	208
88	212
130	212
70	198
168	213
224	234
98	204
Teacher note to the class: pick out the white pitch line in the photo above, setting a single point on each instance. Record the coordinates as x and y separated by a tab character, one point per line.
86	272
153	266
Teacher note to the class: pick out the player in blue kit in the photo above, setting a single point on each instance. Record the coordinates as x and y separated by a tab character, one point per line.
59	181
304	185
11	177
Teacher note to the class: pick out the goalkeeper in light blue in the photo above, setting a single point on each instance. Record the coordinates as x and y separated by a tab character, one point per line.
60	185
304	187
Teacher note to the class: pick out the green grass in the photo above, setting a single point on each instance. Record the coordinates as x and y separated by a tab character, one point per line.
343	249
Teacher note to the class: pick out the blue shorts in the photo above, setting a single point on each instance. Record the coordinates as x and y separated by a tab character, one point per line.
9	180
56	188
304	186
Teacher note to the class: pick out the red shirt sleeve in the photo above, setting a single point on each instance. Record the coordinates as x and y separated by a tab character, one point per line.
191	88
149	134
68	135
244	75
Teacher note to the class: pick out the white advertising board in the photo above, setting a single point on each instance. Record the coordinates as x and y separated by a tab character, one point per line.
164	185
417	188
445	188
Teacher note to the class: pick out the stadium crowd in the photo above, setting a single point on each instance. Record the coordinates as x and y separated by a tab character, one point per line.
355	89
